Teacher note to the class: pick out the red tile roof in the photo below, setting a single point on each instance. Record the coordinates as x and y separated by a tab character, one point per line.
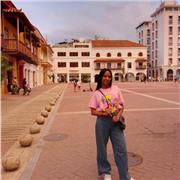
115	43
109	60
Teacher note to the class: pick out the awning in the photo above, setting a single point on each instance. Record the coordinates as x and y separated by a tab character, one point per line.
110	60
141	60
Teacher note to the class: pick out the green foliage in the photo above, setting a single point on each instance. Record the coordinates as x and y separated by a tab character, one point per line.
85	78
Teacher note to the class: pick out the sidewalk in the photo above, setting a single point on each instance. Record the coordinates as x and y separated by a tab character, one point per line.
19	112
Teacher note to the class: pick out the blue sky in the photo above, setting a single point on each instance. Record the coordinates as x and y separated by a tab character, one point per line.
60	20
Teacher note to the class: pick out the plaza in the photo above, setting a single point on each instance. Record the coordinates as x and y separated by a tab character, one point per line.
65	148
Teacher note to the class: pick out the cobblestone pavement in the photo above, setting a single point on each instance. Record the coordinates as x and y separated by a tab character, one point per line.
66	149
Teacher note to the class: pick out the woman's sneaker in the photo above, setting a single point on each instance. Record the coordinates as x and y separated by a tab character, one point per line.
107	177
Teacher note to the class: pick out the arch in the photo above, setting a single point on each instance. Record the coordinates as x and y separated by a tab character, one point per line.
169	75
129	54
129	77
118	77
97	54
119	54
178	72
140	77
108	54
140	54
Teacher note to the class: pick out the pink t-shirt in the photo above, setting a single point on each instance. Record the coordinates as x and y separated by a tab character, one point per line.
113	96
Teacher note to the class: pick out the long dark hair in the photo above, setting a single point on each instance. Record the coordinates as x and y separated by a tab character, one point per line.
100	76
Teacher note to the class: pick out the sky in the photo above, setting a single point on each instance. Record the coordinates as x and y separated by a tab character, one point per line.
59	20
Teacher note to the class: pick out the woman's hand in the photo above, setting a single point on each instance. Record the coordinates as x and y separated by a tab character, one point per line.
115	118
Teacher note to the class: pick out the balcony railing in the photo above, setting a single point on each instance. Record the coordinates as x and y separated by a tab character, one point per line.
141	67
15	47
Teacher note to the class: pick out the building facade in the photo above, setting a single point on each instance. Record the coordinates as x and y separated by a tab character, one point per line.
83	60
21	44
144	37
164	63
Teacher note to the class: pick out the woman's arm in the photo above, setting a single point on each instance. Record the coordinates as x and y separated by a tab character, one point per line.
99	113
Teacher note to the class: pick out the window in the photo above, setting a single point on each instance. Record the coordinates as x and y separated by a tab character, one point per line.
170	30
178	43
85	64
178	61
156	44
170	19
119	54
178	52
129	54
170	52
85	54
156	34
153	26
178	19
108	54
179	30
118	65
170	43
140	54
148	32
97	54
152	54
152	36
156	24
156	54
73	64
129	65
73	54
61	64
170	61
152	45
97	65
61	54
109	65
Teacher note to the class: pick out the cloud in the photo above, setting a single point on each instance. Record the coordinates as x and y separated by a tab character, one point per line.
110	19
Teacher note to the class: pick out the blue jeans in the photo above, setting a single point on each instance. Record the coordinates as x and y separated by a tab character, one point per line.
106	129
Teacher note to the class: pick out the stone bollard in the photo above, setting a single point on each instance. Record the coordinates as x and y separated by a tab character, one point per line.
40	119
44	113
48	108
52	103
11	162
34	129
25	140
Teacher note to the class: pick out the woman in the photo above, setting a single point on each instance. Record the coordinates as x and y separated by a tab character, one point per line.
107	104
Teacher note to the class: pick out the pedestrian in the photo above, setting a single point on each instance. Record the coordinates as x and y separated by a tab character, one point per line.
79	85
24	86
15	87
107	104
75	85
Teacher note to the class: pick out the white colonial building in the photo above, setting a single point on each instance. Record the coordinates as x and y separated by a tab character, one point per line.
165	41
83	60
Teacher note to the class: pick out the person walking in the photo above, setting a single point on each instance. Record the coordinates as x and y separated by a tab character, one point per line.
107	104
24	86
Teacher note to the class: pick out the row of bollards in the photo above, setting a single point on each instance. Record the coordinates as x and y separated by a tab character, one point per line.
12	161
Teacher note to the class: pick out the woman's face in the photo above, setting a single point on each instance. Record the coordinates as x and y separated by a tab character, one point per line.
106	79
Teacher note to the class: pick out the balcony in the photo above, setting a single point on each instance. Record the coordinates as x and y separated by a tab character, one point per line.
18	49
141	67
